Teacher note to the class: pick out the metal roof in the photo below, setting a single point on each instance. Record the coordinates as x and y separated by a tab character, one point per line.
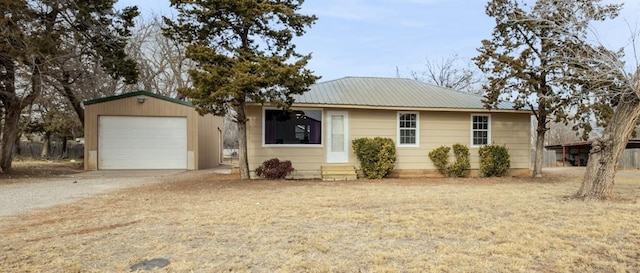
391	92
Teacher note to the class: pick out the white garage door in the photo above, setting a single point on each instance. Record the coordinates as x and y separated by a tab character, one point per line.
142	142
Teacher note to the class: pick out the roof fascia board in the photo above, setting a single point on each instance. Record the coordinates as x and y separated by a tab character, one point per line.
135	94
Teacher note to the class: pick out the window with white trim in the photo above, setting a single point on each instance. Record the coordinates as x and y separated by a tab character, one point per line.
408	129
480	130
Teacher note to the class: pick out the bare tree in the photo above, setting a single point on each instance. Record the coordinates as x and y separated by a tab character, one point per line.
583	80
448	72
162	62
560	133
230	132
610	90
52	117
524	57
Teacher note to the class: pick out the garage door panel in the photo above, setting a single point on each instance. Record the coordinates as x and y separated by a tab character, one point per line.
142	142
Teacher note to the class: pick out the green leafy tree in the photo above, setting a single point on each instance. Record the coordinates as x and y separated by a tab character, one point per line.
36	39
524	57
244	52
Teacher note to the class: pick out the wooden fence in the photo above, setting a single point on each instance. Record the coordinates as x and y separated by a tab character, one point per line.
30	149
630	159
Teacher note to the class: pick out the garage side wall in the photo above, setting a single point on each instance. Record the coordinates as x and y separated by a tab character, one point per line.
210	132
130	107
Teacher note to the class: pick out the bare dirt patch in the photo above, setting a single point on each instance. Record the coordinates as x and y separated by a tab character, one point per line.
205	222
24	169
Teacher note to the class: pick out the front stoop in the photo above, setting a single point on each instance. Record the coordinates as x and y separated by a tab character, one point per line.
338	172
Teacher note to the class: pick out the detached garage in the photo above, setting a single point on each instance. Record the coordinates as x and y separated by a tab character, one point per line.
142	130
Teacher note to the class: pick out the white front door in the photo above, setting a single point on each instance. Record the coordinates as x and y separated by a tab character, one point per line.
337	137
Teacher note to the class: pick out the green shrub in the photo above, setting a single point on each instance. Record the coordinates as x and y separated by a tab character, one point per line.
440	159
494	160
274	169
377	156
461	167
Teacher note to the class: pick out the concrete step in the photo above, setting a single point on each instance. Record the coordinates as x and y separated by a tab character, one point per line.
339	177
338	167
338	172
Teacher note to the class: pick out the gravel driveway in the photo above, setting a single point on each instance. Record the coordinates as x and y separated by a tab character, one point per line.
30	194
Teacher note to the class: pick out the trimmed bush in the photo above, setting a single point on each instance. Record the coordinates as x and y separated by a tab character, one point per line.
377	156
440	159
494	160
274	169
461	167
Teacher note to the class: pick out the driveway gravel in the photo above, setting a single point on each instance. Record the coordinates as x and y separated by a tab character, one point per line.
35	193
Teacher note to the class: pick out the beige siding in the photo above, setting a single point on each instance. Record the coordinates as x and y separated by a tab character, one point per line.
513	131
435	129
209	141
130	107
306	160
445	128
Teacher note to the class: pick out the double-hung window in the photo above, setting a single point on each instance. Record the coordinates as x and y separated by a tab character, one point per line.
480	130
295	127
408	131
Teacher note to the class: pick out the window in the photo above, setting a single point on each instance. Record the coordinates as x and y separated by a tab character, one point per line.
480	130
408	129
294	127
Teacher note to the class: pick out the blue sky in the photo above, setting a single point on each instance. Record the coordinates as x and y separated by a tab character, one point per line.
383	37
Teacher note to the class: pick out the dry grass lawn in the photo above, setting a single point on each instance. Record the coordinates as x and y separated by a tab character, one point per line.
31	168
205	222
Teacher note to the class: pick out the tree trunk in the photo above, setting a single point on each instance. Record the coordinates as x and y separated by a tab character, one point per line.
17	150
9	135
46	145
68	93
541	131
243	162
13	106
65	152
1	117
606	152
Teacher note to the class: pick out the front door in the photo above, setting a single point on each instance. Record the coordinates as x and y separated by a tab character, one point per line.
338	137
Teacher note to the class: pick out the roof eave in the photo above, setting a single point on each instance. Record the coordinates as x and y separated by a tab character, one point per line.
403	108
135	94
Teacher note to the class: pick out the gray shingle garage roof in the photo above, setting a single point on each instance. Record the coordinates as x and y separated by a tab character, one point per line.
390	92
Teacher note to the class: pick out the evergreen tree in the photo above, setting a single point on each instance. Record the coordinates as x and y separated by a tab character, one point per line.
244	52
35	38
